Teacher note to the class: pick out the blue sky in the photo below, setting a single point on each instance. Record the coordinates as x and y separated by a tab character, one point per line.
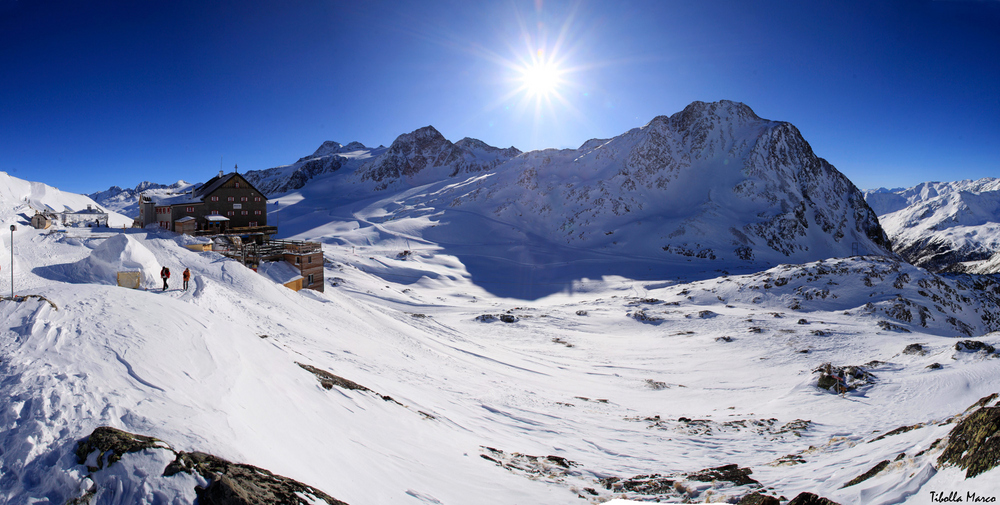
100	93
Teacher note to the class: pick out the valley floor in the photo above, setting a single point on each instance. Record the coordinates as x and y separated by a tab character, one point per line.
616	388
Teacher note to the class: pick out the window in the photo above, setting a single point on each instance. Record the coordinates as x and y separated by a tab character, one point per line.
215	199
310	259
243	199
245	212
253	223
237	184
298	260
231	213
256	212
215	213
311	279
237	206
256	199
188	209
231	199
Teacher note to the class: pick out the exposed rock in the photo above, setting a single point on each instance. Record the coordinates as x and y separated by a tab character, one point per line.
552	468
915	349
727	473
239	484
229	483
811	499
654	484
840	379
897	431
111	444
641	316
328	380
974	346
867	475
758	499
974	444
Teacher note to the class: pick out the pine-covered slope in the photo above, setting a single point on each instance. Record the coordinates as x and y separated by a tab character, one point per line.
940	225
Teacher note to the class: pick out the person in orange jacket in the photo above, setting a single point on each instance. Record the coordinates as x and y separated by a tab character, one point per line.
187	277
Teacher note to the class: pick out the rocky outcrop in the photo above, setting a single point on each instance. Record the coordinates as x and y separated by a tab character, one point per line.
424	155
974	444
228	483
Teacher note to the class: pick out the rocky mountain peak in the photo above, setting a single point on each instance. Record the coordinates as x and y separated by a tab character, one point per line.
424	155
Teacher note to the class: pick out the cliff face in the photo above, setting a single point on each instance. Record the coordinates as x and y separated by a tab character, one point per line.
713	181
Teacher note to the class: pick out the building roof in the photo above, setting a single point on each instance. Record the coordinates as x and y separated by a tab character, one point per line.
185	219
185	198
198	194
216	218
279	271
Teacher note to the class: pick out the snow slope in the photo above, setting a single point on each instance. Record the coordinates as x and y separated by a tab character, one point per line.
18	196
711	189
639	380
714	372
938	225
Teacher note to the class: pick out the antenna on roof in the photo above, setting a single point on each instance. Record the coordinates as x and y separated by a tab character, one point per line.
236	168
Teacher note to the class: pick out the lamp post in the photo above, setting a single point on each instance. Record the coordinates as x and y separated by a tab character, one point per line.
12	228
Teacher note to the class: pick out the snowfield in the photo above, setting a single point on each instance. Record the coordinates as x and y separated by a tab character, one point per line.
554	327
710	375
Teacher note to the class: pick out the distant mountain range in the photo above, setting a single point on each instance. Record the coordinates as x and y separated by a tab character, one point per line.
126	201
713	182
942	226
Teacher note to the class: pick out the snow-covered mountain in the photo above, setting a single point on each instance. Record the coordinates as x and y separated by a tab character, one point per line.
126	201
425	156
528	331
330	157
939	225
713	187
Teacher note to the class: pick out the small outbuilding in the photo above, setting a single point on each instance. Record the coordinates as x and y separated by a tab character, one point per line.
281	273
41	221
187	224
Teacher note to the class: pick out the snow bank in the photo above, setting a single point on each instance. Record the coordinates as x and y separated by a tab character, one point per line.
119	253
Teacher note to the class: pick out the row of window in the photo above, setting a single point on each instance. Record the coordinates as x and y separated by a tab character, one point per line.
233	199
233	213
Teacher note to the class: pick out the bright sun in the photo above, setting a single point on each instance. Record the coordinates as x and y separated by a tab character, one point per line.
540	79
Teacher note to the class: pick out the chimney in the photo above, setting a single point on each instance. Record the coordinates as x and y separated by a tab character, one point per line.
220	173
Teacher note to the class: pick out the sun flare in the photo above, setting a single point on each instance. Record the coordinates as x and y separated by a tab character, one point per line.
540	79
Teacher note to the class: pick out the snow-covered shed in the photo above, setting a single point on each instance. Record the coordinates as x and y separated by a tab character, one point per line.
282	273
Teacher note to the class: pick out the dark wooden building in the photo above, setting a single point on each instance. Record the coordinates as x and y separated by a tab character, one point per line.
226	203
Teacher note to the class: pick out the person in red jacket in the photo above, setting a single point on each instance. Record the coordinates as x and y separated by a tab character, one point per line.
165	274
